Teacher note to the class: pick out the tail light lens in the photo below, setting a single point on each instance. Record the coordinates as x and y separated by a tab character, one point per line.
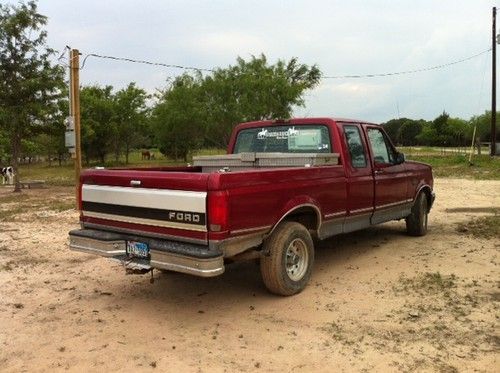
80	196
218	211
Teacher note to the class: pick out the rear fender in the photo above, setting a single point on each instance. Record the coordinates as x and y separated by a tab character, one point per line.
300	205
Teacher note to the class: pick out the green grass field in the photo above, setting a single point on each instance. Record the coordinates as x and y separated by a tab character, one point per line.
483	167
445	164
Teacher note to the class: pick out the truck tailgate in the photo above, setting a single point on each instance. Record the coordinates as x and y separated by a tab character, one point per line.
154	203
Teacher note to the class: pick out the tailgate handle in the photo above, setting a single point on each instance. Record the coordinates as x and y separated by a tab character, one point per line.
135	183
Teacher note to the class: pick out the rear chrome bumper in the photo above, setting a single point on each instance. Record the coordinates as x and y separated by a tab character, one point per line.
170	255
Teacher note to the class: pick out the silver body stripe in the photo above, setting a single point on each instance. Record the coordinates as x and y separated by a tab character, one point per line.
395	203
177	200
335	214
369	209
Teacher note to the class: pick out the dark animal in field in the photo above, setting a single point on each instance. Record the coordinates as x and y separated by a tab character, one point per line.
146	155
7	175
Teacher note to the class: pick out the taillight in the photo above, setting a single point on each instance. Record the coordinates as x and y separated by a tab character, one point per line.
218	211
80	186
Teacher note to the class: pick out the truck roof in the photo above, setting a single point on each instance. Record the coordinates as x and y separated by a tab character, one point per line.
315	120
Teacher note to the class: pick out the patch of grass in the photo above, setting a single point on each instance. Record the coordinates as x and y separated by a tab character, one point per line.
451	165
7	266
209	151
13	198
426	283
64	175
60	206
33	201
334	330
484	227
11	213
53	175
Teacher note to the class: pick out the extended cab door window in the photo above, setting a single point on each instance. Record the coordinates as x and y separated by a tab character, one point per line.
382	151
360	190
355	146
390	178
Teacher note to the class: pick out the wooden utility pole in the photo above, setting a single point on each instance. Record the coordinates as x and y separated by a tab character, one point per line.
493	83
75	113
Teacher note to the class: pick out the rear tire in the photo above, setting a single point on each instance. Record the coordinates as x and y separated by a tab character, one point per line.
416	222
287	266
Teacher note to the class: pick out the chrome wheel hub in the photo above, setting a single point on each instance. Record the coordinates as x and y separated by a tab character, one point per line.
297	259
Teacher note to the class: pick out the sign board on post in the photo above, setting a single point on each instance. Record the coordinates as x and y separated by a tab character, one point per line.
69	135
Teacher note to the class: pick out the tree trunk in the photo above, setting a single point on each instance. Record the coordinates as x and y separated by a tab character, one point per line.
16	149
127	151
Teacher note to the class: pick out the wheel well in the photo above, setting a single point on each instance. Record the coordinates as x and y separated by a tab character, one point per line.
306	216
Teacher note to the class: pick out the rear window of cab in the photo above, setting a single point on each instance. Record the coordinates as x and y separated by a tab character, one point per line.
284	139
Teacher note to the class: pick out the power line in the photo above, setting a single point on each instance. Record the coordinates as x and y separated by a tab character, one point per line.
144	62
354	76
408	71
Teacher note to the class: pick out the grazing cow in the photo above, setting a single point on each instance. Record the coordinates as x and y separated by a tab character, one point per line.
146	155
7	175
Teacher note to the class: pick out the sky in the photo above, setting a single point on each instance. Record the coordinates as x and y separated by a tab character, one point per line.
341	37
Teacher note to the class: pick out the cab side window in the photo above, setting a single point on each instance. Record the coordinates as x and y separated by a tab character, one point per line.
355	145
382	150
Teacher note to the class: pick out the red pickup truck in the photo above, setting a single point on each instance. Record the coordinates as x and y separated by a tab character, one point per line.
282	183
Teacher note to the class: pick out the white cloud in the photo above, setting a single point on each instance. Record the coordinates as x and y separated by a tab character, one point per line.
228	44
343	37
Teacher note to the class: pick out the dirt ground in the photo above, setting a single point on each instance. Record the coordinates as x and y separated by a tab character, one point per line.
378	300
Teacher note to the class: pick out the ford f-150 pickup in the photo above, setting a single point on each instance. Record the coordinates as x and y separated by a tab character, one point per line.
282	184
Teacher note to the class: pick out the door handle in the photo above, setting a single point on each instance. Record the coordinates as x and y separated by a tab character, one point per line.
378	172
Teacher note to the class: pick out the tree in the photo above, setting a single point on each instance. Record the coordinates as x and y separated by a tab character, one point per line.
409	131
392	128
29	83
130	118
178	118
212	105
482	123
98	121
4	147
439	126
428	136
253	90
458	132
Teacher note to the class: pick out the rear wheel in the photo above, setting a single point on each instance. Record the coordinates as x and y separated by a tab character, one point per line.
287	266
416	222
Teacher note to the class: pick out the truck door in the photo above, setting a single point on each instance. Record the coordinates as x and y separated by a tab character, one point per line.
390	178
360	191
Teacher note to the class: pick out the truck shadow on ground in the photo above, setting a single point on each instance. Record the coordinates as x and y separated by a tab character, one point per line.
242	282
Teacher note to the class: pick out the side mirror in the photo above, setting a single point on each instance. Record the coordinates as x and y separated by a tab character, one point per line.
400	158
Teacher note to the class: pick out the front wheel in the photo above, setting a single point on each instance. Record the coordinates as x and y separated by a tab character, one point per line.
287	264
416	222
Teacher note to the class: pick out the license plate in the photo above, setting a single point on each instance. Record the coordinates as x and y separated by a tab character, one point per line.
138	249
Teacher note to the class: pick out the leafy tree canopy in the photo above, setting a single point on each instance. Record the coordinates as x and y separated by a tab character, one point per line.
30	84
249	90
